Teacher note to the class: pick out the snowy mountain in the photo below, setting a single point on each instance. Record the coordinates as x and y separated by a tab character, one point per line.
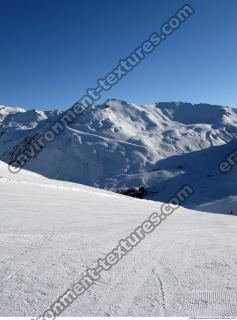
118	145
51	232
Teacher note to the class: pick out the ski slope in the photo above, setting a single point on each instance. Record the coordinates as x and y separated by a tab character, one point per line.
52	231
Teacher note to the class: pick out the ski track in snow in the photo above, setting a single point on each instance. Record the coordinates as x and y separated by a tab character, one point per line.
50	235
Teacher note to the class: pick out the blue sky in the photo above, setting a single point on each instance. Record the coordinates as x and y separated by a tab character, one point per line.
52	51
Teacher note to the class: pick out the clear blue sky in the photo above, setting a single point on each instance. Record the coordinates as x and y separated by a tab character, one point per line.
53	50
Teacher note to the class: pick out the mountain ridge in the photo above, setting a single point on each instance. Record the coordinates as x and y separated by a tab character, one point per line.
118	145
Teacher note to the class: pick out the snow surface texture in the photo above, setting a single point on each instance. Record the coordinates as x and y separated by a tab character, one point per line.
51	231
119	145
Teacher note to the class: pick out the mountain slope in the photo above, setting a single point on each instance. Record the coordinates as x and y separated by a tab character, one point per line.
119	145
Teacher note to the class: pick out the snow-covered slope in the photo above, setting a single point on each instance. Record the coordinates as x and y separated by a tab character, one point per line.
200	169
120	145
51	232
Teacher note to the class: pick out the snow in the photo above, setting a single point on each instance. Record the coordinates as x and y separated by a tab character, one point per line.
52	231
223	205
117	144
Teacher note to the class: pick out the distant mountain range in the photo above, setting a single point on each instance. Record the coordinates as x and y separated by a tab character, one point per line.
118	145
